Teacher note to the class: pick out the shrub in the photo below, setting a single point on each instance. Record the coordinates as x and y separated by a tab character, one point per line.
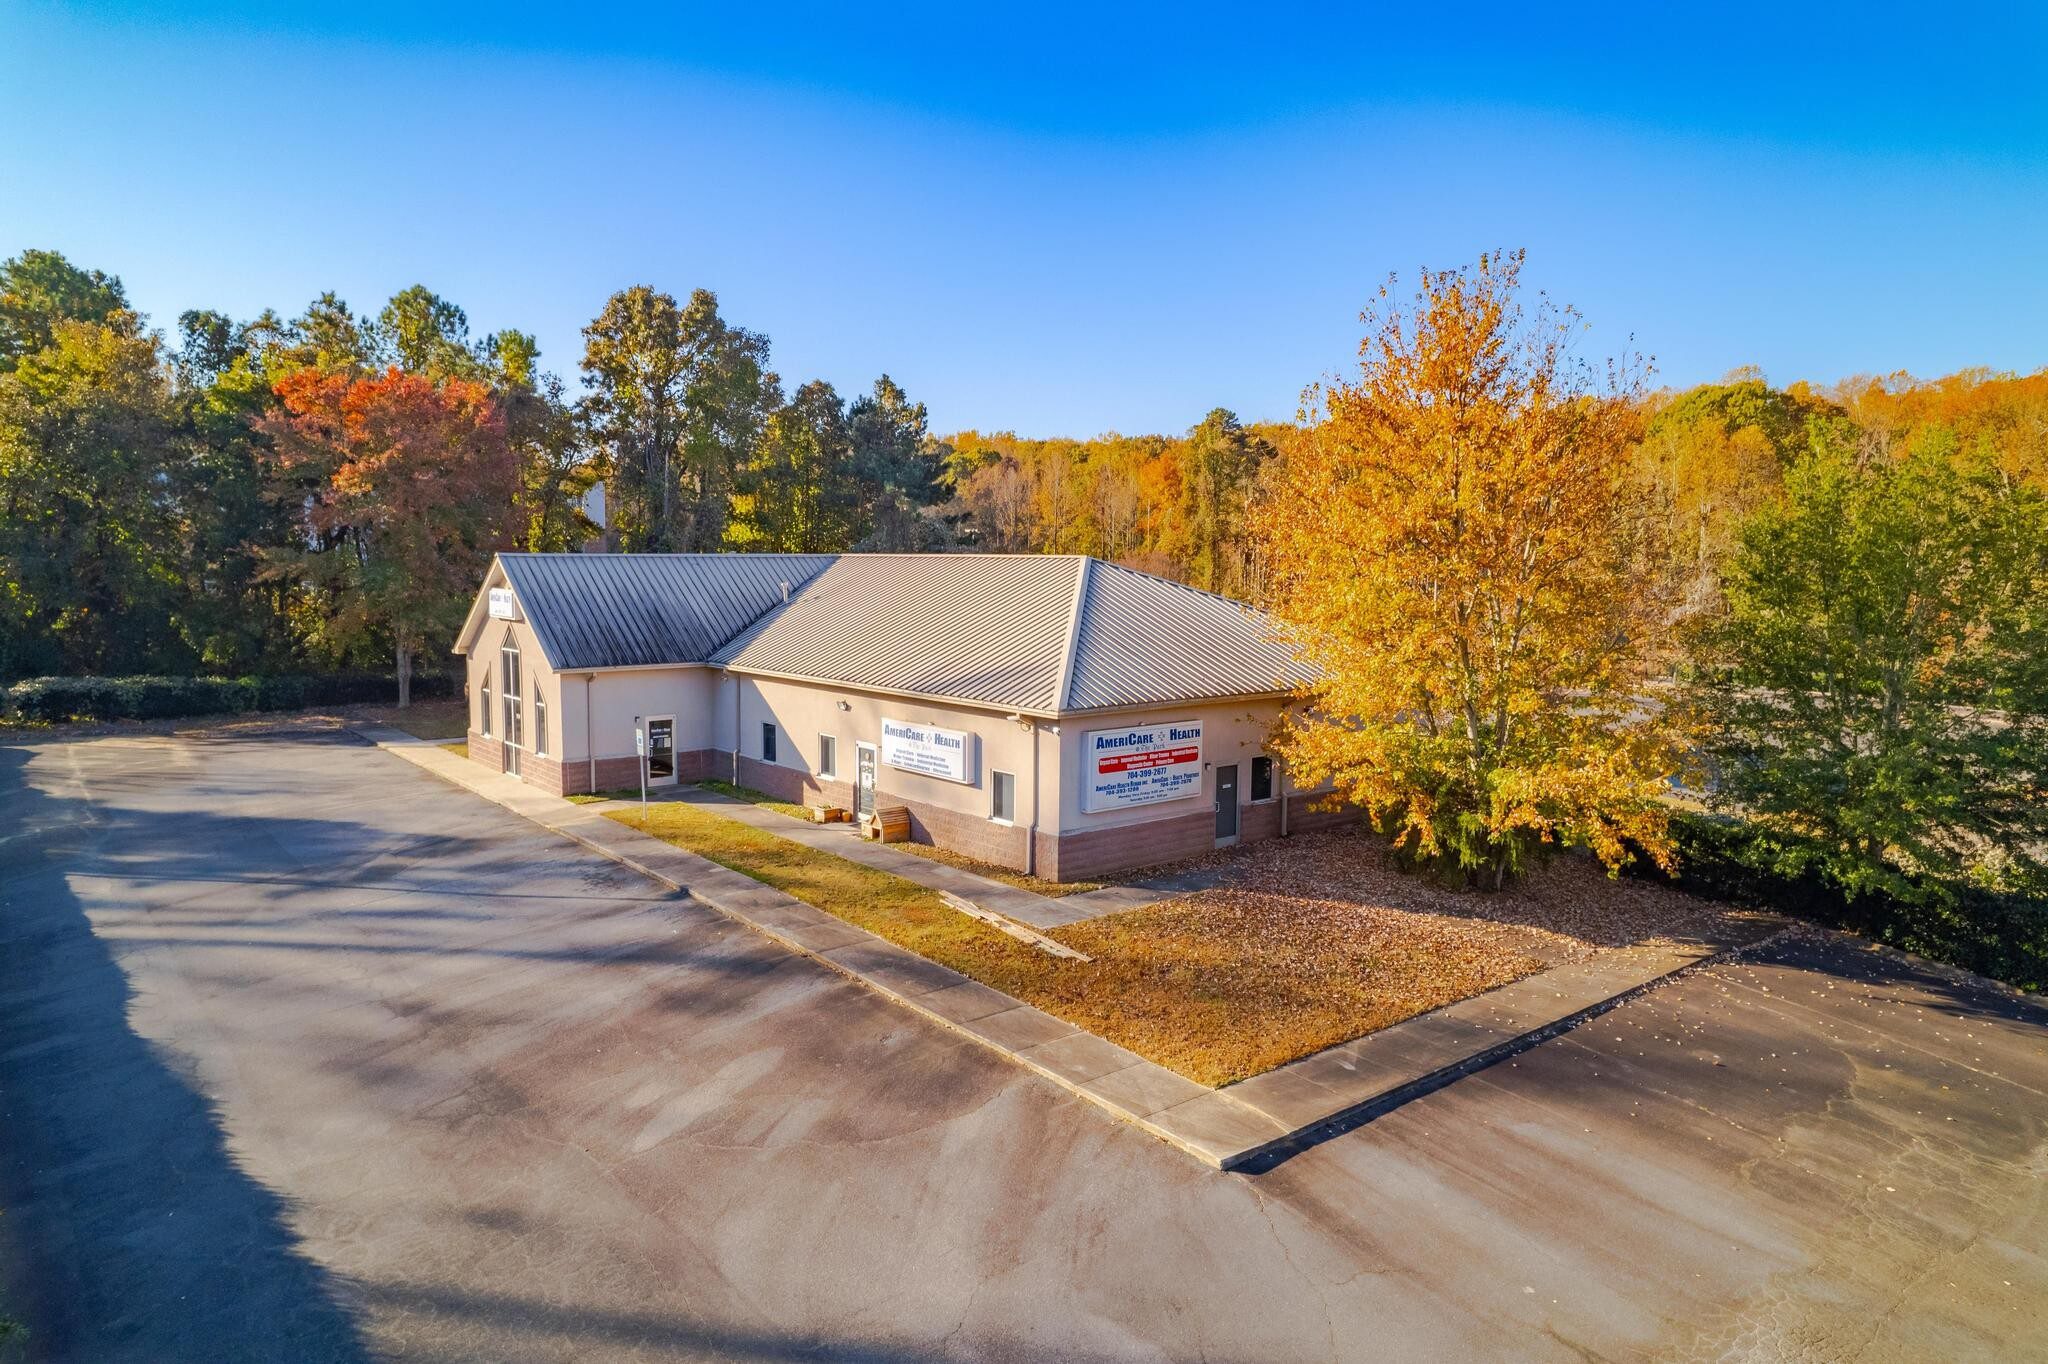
2004	937
57	699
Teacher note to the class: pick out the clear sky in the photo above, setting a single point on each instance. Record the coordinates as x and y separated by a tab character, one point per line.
1062	220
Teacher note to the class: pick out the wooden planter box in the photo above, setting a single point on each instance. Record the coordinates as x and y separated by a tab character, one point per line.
829	814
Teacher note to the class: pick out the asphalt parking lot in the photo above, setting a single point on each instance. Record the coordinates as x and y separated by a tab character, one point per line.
305	1055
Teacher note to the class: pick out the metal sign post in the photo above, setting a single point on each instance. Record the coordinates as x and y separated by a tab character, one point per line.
640	752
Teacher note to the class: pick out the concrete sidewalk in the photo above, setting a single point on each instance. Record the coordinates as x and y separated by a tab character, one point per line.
844	840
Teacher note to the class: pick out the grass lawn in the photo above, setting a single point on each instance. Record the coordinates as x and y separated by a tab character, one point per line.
460	748
924	850
1217	986
761	798
422	719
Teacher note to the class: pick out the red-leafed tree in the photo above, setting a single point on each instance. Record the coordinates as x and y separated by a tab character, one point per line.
406	486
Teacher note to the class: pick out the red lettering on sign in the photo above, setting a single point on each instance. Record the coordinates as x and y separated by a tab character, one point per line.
1150	758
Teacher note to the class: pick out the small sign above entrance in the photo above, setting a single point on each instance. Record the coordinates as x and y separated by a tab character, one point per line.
945	753
504	606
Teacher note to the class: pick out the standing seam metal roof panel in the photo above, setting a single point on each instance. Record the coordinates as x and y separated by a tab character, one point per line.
988	629
631	610
1146	640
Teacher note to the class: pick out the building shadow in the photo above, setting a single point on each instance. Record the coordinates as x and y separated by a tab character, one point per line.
136	1233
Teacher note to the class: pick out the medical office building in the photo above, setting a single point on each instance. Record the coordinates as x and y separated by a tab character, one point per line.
1049	713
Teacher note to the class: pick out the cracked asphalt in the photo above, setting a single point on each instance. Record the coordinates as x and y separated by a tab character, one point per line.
307	1056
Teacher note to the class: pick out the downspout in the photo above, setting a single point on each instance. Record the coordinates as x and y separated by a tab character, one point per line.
589	736
1280	775
1031	834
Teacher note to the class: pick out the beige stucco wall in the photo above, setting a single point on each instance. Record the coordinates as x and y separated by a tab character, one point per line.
537	680
1232	732
803	711
616	697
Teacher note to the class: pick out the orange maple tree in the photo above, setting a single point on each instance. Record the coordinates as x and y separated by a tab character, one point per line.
1460	547
406	485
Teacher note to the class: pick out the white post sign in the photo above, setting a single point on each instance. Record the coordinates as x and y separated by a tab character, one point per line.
943	753
1141	765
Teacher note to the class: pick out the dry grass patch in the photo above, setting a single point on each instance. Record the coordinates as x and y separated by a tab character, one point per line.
1037	884
436	720
1312	941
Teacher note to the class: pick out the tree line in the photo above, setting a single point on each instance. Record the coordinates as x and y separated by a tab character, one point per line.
290	494
321	491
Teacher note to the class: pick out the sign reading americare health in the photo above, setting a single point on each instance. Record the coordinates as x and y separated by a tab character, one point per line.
504	606
921	748
1142	766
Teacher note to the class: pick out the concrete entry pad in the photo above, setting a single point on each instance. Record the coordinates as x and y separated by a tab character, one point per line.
302	1056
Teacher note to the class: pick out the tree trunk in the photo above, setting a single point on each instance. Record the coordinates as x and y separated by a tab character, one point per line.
404	676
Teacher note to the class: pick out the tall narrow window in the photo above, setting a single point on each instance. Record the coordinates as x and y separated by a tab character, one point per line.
540	724
828	755
1002	802
767	743
508	678
1262	779
483	710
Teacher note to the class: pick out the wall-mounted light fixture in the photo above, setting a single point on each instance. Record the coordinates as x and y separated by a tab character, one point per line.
846	705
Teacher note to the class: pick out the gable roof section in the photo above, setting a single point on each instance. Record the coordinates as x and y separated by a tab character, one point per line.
987	629
637	610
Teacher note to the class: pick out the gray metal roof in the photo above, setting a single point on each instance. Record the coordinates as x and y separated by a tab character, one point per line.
989	629
1037	633
628	610
1144	639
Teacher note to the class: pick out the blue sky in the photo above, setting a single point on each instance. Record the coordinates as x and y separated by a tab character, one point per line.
1062	220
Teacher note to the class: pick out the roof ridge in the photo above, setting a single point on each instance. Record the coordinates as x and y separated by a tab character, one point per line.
1065	685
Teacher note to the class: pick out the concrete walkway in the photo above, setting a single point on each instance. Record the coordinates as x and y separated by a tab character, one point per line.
844	840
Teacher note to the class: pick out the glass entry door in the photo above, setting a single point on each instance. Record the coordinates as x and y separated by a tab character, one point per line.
661	750
864	789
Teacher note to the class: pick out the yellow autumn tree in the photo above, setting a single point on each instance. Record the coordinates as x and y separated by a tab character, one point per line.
1462	550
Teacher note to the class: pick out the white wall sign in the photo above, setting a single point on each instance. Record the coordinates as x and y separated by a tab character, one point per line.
504	606
945	753
1141	765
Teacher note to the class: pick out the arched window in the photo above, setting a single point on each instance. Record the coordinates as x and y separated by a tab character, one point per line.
483	708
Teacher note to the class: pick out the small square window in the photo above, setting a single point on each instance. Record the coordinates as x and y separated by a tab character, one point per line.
828	755
1003	797
768	743
1262	779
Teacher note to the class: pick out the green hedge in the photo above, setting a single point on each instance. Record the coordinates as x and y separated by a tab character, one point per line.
55	699
2000	936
